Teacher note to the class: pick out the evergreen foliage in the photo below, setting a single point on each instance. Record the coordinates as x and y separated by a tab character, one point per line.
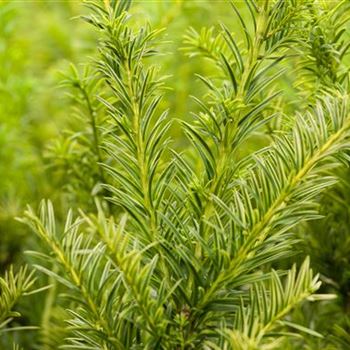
177	247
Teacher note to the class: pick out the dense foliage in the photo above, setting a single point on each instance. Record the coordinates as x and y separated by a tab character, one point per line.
197	173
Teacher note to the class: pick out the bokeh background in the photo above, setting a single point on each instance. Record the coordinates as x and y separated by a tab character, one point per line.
38	42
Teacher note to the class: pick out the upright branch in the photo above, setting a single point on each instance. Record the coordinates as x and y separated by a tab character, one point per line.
243	103
139	140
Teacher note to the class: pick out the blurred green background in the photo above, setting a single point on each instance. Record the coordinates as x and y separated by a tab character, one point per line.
38	41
